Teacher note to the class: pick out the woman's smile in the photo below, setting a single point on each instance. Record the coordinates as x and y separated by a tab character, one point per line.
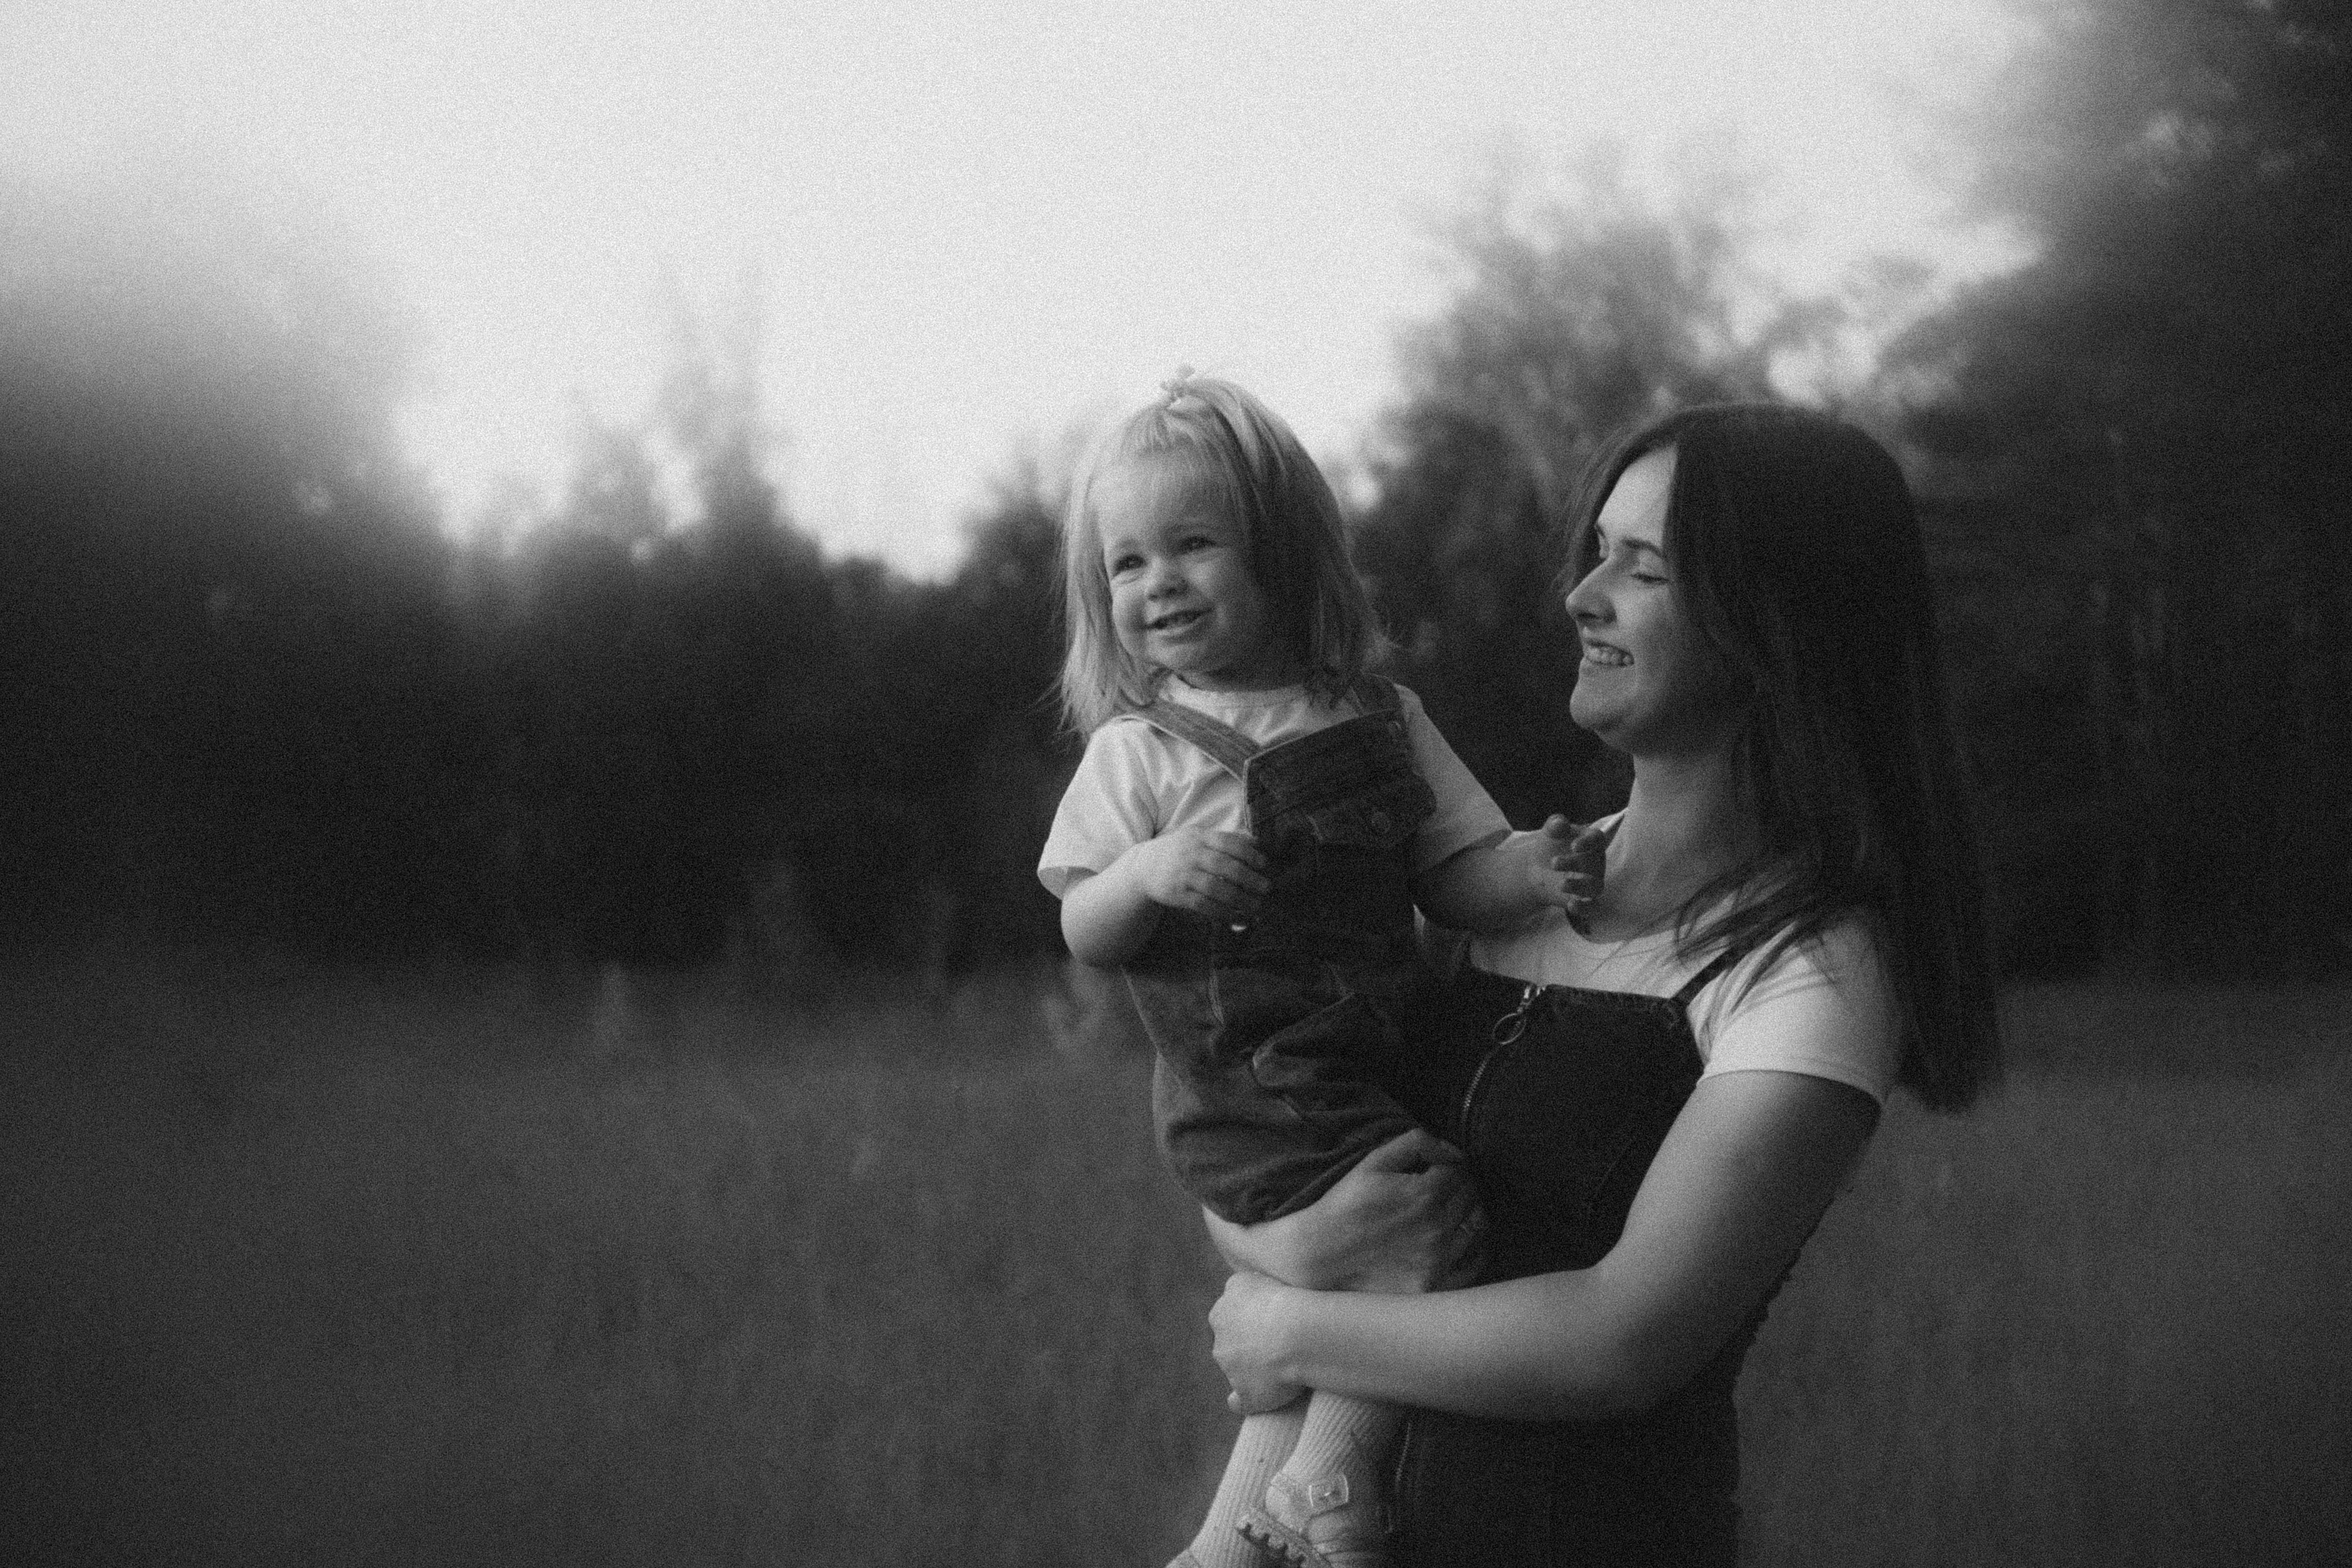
1605	657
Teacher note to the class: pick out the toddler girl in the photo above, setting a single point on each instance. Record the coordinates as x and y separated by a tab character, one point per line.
1254	819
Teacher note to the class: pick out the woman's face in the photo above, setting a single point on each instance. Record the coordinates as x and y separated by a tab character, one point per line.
1648	681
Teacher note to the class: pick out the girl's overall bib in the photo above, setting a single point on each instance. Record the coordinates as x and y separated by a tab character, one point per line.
1274	1035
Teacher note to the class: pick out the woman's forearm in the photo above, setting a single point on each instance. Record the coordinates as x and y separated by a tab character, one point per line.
1404	1219
1743	1176
1553	1347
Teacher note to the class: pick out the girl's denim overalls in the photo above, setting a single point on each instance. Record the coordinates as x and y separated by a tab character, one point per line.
1272	1035
1560	1098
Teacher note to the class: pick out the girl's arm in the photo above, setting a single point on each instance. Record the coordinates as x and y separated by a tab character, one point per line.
1405	1218
1495	888
1108	915
1746	1173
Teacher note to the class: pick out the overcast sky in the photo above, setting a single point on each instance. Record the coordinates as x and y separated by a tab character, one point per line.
978	224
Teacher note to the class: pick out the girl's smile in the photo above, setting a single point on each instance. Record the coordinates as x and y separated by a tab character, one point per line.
1183	595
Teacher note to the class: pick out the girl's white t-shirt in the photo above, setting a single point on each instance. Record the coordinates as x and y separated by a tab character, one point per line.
1823	1006
1135	783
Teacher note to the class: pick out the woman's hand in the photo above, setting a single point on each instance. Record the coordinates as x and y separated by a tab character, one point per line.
1247	1321
1405	1219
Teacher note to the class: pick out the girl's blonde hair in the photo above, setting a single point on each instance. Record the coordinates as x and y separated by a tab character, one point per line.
1227	440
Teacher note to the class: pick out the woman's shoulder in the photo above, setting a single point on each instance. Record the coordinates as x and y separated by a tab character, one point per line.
1407	698
1820	1003
1842	951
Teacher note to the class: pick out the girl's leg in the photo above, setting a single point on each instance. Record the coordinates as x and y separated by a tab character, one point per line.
1265	1442
1328	1506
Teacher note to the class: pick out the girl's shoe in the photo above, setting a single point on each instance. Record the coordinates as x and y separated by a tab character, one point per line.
1185	1559
1286	1526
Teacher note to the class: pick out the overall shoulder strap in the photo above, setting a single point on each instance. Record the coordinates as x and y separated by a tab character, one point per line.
1375	694
1714	966
1227	747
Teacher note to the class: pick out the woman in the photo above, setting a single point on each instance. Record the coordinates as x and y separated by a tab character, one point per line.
1659	1101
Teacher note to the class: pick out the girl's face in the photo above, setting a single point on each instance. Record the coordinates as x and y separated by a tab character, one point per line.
1182	595
1648	680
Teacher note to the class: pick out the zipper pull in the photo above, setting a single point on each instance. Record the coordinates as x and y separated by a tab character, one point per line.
1514	1024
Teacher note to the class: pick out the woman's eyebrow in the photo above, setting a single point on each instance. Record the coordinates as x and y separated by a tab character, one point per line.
1604	543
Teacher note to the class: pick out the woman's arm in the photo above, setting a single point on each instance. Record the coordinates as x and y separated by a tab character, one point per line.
1743	1176
1404	1219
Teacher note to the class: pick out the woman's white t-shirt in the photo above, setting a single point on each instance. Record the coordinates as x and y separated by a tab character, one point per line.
1823	1006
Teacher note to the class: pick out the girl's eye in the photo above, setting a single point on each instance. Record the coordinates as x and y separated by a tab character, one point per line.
1124	564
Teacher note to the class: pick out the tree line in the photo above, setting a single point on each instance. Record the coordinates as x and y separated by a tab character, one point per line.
256	692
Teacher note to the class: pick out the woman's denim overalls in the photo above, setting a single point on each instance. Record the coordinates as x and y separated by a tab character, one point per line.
1560	1097
1273	1035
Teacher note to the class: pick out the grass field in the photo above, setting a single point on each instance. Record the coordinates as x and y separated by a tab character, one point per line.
309	1270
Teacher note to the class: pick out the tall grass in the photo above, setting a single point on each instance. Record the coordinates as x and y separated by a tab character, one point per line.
2107	1319
312	1270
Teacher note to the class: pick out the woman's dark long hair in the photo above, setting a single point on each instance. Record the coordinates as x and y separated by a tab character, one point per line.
1796	550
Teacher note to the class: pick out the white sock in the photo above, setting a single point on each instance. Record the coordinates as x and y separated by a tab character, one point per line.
1258	1452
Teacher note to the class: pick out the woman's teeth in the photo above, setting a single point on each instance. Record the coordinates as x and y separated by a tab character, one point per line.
1596	654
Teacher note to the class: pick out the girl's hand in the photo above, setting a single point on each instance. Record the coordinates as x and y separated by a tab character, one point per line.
1405	1219
1221	875
1569	863
1247	1321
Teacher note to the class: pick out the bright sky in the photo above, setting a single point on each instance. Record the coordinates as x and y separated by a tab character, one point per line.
978	223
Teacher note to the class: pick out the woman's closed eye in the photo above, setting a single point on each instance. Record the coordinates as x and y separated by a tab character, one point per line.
1641	565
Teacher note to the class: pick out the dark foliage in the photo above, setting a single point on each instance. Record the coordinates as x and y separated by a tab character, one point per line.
1578	312
254	696
2140	446
252	692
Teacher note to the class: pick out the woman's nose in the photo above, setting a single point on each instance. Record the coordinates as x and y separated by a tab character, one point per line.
1585	601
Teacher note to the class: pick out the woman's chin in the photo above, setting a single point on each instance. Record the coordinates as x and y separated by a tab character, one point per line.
1600	719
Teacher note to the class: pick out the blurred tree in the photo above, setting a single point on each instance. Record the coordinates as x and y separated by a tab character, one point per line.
221	591
1580	306
638	653
2153	420
1004	608
716	739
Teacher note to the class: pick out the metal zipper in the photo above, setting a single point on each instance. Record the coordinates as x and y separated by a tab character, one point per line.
1505	1032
